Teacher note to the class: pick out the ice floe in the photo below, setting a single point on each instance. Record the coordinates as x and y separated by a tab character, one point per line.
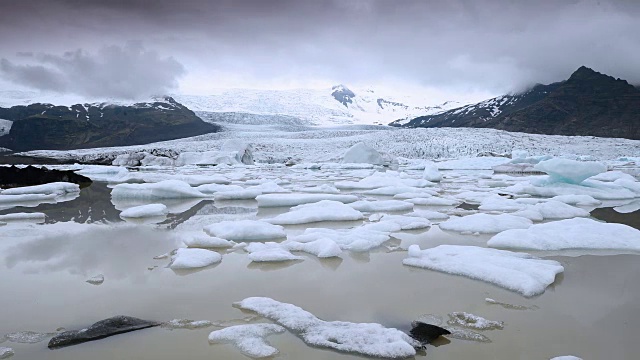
485	223
381	205
244	194
149	210
570	171
431	172
405	222
277	200
368	339
196	239
6	352
249	338
96	280
580	200
55	188
434	201
322	248
35	217
187	324
245	230
379	179
325	210
566	357
578	233
518	272
194	258
362	238
472	321
167	189
362	153
270	252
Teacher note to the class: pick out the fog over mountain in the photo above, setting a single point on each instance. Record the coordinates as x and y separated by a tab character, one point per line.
136	48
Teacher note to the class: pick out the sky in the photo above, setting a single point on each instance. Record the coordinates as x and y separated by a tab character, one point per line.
448	49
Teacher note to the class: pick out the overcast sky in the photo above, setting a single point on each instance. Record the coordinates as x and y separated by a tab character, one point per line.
129	48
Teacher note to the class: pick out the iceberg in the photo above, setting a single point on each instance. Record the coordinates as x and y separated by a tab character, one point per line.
245	230
485	223
578	233
362	153
194	258
367	339
149	210
324	210
570	171
517	272
167	189
55	188
249	338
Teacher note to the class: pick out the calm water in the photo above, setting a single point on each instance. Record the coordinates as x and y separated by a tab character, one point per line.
592	311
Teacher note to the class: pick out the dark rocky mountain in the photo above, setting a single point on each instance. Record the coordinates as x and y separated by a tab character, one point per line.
45	126
588	103
342	94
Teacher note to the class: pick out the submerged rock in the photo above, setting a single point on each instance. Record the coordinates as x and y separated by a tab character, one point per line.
426	333
6	352
100	330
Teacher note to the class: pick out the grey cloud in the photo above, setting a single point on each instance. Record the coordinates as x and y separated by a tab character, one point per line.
127	72
492	45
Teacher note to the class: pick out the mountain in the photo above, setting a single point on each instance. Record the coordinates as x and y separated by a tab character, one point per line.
338	105
588	103
39	126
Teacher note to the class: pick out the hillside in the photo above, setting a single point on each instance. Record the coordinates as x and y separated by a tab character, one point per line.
588	103
46	126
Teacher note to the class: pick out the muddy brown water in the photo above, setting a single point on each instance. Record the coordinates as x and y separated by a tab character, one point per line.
591	311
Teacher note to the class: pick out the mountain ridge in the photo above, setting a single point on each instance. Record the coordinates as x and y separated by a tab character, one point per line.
588	103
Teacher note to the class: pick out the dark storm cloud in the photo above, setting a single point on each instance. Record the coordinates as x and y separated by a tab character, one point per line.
122	72
492	45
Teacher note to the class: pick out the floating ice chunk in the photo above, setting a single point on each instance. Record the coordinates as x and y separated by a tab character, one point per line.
249	339
629	184
368	339
575	233
96	280
153	160
167	189
378	180
519	154
498	203
6	352
149	210
57	188
36	217
580	200
191	179
474	197
202	240
269	187
27	337
270	252
187	324
381	205
566	357
243	151
595	189
405	222
214	188
466	334
362	153
363	238
27	199
428	214
628	208
612	176
245	230
570	171
104	173
424	193
325	188
325	210
431	172
194	258
472	321
245	194
475	163
276	200
485	223
508	306
518	272
395	190
558	210
529	213
322	248
434	201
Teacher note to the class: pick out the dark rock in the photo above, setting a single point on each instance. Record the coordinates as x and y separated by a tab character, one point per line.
587	104
342	94
426	333
12	176
100	330
45	126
